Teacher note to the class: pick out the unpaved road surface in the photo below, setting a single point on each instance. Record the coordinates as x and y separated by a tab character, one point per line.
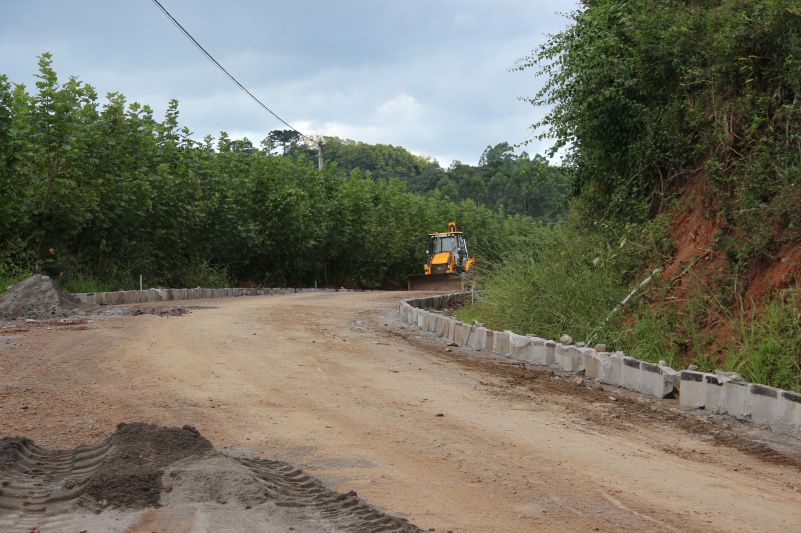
450	440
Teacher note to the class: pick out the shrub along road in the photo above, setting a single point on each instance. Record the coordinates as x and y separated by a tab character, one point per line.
332	383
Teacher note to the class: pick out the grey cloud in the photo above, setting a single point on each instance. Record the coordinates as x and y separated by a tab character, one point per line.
330	66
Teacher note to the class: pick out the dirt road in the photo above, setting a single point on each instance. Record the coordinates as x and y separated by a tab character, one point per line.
333	383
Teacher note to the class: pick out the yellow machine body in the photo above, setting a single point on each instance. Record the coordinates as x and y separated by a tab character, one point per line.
448	264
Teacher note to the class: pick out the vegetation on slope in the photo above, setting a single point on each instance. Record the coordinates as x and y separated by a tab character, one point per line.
681	123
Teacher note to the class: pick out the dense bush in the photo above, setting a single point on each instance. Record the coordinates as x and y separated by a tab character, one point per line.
650	99
106	192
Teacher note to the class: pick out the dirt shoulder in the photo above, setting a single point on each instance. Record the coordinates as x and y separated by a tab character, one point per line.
448	440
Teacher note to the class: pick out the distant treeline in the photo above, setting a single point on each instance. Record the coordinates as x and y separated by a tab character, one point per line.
96	194
502	180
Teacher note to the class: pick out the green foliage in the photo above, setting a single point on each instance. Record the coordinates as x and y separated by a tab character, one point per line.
566	281
502	180
93	191
643	90
647	96
769	349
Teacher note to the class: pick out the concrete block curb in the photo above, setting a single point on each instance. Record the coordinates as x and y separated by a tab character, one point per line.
762	405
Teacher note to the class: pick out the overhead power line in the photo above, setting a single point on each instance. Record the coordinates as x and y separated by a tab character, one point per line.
225	71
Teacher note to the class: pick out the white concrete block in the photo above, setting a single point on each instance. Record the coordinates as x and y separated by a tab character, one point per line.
500	342
550	353
736	399
613	374
656	380
537	350
428	322
788	415
764	404
520	347
450	326
421	318
630	377
692	392
477	339
593	365
713	387
438	323
568	358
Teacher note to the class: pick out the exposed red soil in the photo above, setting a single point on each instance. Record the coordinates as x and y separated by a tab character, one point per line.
784	272
693	231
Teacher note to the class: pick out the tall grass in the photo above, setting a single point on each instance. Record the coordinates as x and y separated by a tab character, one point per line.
565	281
768	348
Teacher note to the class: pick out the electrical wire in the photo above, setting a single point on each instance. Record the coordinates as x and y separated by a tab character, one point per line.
225	71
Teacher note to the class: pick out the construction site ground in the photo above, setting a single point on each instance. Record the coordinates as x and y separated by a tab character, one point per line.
450	439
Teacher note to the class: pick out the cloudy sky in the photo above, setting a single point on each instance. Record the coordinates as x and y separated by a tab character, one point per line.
430	75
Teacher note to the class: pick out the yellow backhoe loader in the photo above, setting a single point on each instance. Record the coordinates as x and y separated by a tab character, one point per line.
449	265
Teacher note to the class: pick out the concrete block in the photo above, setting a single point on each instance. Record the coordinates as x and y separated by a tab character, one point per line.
537	350
550	353
421	318
490	340
477	339
462	333
613	369
736	399
431	322
656	380
764	404
692	392
520	347
788	415
593	364
449	330
568	358
438	323
713	387
150	295
562	358
458	332
631	374
500	343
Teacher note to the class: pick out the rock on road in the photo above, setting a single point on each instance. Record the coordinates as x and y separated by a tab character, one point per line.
451	441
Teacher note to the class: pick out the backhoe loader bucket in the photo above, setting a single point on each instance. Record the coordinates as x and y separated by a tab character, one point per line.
440	282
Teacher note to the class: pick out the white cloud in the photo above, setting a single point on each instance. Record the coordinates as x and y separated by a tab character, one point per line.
402	107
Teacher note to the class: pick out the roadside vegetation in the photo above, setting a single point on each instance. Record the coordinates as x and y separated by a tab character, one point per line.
96	194
681	126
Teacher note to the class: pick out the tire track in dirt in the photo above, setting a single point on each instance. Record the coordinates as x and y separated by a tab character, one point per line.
289	486
35	482
40	489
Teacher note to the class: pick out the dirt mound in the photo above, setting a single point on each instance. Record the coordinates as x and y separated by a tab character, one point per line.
130	474
37	298
142	467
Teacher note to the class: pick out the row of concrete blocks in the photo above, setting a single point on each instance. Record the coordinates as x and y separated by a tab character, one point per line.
610	368
765	406
762	405
163	295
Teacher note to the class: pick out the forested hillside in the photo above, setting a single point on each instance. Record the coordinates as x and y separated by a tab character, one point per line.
96	194
513	183
681	123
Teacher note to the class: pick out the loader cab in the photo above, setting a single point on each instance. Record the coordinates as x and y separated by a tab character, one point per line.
453	245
